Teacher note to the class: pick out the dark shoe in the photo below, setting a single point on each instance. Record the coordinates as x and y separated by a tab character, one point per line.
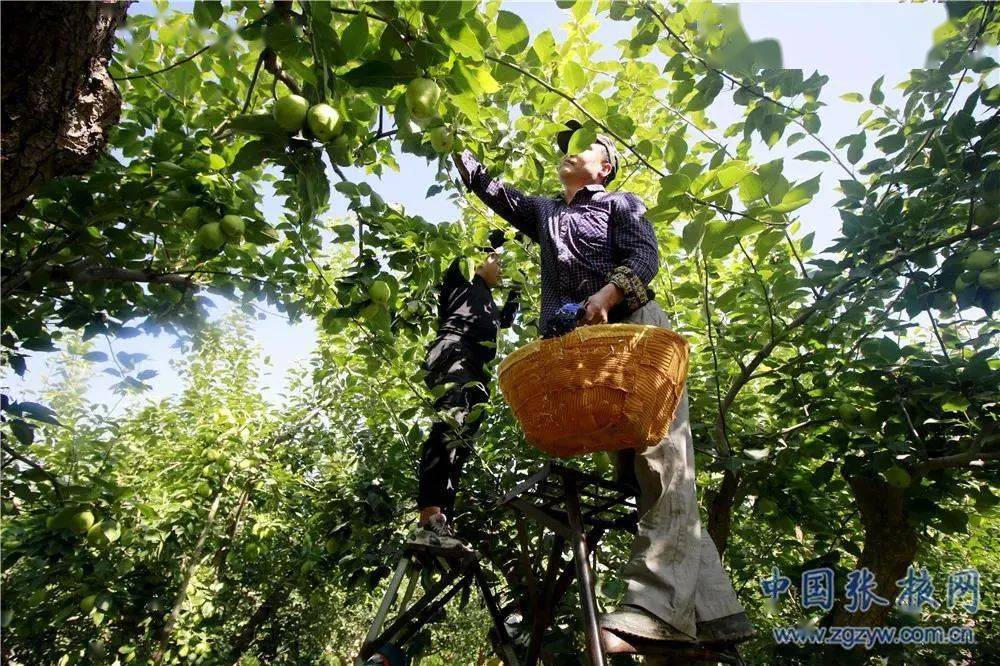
635	626
728	630
438	535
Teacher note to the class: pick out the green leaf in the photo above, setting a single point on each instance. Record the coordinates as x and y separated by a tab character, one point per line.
354	38
891	143
798	196
257	123
462	39
708	89
573	76
692	235
512	33
251	155
207	12
876	96
595	104
544	47
955	403
856	148
751	188
23	431
674	184
732	173
38	412
582	139
676	151
281	37
475	79
381	74
765	53
111	530
852	97
216	162
853	189
814	156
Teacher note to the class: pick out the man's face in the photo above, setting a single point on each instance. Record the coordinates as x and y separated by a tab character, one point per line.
590	166
489	270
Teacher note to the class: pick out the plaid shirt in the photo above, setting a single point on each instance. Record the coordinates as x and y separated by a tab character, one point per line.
599	237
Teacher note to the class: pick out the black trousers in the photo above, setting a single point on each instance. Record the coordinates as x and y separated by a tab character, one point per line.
447	447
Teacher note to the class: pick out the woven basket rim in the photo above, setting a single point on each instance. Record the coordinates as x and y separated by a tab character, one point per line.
582	333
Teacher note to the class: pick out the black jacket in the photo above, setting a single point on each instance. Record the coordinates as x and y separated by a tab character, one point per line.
467	316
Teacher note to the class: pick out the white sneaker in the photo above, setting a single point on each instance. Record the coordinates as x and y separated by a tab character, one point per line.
437	534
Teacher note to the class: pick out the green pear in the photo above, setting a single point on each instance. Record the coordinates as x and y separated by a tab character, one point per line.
232	226
210	236
324	121
379	292
979	260
442	140
290	112
422	96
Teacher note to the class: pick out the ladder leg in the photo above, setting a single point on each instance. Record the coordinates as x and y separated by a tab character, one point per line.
411	619
543	611
411	584
510	658
390	596
595	649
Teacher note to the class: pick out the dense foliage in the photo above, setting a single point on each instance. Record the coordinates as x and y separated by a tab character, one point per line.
845	402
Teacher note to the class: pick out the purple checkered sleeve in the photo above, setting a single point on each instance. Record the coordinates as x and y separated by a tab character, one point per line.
634	249
506	201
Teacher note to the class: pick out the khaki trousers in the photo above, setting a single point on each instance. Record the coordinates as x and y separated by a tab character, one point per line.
674	570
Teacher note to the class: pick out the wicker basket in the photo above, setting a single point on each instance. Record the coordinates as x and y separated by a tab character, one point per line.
597	388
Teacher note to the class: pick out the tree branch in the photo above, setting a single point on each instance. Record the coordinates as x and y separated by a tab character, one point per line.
687	49
610	132
828	298
56	486
165	69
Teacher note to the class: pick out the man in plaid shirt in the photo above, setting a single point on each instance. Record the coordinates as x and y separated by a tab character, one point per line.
598	249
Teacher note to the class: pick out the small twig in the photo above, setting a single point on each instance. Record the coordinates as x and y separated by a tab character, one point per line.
722	432
271	65
56	486
253	82
610	132
167	68
736	82
763	285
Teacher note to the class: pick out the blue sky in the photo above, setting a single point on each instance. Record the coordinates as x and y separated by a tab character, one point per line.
851	42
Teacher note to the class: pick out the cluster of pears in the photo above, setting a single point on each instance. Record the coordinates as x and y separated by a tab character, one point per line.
98	533
980	268
293	113
212	235
422	96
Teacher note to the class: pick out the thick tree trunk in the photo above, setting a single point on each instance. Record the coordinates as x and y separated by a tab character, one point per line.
720	510
245	638
58	100
890	546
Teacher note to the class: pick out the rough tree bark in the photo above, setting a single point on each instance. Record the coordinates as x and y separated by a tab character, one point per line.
57	97
248	632
890	546
720	510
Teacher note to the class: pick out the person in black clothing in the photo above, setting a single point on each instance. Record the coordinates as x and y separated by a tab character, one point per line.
467	317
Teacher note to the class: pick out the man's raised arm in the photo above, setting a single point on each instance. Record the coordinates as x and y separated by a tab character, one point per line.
506	201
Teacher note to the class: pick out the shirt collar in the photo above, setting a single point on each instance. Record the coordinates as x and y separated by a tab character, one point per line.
477	276
593	189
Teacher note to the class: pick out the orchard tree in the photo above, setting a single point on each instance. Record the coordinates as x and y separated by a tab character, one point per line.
845	401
